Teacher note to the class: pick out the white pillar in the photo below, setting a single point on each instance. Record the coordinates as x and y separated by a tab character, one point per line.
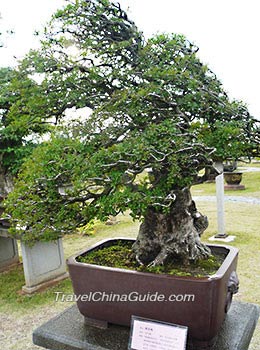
220	206
220	200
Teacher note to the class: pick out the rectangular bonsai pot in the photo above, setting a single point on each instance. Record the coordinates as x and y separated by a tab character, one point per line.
200	303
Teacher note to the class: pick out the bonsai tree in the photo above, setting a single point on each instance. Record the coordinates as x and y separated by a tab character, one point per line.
159	120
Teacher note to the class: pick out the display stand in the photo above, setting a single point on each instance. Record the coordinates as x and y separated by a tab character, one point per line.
67	331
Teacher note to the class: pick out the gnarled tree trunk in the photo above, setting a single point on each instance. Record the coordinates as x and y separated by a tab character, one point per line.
172	235
6	182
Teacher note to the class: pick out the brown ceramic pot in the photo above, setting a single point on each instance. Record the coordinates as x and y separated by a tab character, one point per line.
203	314
233	178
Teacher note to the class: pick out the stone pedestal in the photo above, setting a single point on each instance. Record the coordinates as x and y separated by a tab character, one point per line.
43	264
8	251
234	187
67	331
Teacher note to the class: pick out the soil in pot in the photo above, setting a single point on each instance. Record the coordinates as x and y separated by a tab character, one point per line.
120	255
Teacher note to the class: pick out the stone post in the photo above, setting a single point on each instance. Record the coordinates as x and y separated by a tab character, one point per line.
43	264
8	250
220	206
220	200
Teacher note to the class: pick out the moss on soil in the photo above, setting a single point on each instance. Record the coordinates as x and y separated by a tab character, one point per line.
120	255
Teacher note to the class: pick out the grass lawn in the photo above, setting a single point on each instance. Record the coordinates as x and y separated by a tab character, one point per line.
251	180
20	314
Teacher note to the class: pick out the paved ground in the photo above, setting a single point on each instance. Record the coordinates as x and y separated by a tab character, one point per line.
16	330
234	199
248	169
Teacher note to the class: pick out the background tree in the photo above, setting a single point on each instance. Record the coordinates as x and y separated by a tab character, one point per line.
22	121
151	136
5	76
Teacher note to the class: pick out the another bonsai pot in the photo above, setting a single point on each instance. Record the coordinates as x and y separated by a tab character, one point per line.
5	222
1	208
1	211
203	314
233	180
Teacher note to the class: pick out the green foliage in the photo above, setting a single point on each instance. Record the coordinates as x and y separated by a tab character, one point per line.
43	174
88	229
233	140
156	110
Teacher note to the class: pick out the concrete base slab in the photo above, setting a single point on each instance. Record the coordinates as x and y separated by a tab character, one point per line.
227	239
10	266
234	187
67	331
44	285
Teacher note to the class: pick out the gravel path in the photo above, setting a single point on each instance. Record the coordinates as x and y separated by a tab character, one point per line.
16	329
248	169
235	199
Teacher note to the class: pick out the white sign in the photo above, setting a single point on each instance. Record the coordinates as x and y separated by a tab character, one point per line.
154	335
